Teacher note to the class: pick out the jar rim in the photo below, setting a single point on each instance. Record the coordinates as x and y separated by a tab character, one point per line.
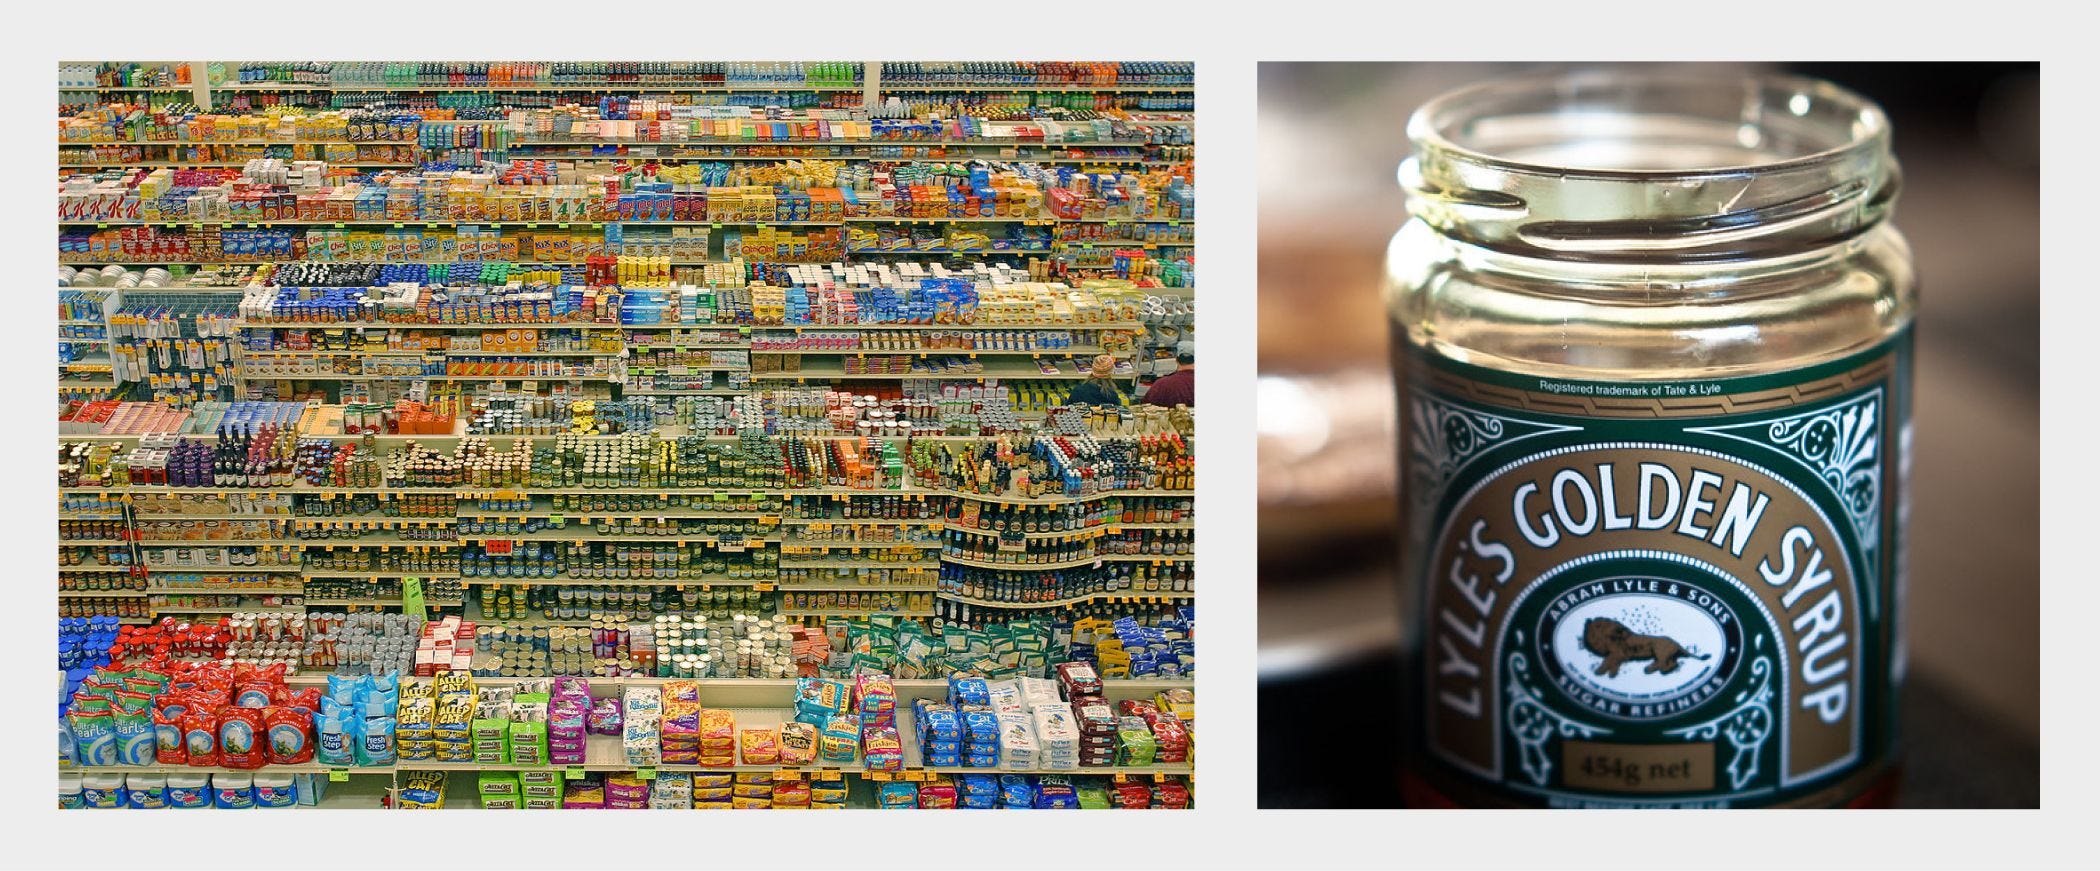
1433	126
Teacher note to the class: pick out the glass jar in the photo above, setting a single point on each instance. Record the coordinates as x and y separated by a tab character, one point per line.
1651	334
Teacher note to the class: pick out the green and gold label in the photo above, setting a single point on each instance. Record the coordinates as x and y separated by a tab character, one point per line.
1656	593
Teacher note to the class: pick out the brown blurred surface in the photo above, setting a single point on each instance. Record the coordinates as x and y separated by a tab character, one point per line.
1331	138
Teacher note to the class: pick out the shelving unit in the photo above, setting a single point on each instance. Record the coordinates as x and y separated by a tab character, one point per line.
775	561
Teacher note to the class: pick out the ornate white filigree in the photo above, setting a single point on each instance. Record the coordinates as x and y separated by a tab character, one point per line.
1533	724
1841	445
1745	726
1443	437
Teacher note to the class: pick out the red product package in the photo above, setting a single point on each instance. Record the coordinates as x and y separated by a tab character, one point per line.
290	735
1172	795
168	746
1132	795
309	698
241	738
937	794
200	736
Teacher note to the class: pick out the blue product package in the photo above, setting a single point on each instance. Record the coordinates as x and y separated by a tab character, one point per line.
898	795
151	798
102	797
1015	792
138	740
334	739
189	797
375	742
276	796
68	749
233	795
94	738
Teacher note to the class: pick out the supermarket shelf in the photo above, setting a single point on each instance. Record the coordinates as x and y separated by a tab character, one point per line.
260	609
151	515
1010	372
587	535
97	594
1107	325
480	492
219	570
322	376
922	565
97	569
216	542
121	89
221	591
327	352
1067	500
428	576
944	352
1026	567
93	541
373	541
1127	243
1088	532
944	252
1149	558
179	164
95	515
74	143
651	513
434	603
716	391
1059	603
634	88
859	521
857	588
1108	88
564	580
383	325
829	544
830	143
822	612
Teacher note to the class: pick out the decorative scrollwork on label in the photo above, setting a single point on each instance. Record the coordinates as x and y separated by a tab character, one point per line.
1443	437
1841	445
1533	724
1745	726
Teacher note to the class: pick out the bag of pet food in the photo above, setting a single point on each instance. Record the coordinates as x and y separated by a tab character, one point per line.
291	735
798	743
241	738
200	736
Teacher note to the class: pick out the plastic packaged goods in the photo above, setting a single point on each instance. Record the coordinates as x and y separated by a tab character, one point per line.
508	408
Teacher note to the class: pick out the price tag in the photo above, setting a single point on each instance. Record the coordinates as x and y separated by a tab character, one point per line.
788	774
573	772
645	774
338	775
877	776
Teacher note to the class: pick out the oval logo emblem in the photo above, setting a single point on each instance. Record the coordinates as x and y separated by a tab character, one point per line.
1639	648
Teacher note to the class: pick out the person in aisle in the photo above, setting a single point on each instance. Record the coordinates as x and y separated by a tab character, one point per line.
1098	388
1177	387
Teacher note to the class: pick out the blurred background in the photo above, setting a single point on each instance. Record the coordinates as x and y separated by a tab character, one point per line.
1967	137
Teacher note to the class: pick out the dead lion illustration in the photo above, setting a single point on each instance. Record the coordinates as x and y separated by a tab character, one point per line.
1619	645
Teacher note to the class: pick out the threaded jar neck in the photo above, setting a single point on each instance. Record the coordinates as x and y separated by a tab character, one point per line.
1651	167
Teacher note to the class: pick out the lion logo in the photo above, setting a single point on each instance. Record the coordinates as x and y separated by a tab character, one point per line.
1619	645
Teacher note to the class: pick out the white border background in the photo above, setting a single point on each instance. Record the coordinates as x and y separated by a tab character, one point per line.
1224	830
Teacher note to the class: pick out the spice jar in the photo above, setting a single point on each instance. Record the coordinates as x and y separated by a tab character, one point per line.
1652	338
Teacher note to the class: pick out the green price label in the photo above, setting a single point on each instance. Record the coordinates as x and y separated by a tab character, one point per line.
645	773
338	775
573	773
